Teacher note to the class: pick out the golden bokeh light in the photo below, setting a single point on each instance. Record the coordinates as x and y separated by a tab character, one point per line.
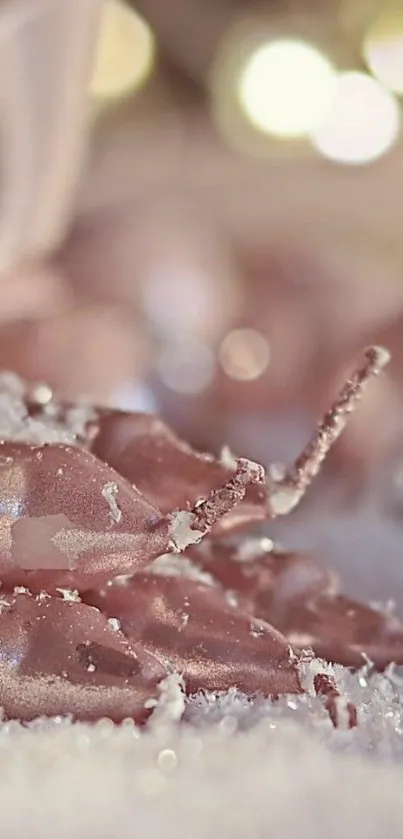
244	354
383	49
125	52
285	87
362	124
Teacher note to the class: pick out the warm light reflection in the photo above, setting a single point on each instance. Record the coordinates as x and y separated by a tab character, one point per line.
362	124
124	54
383	49
285	87
244	354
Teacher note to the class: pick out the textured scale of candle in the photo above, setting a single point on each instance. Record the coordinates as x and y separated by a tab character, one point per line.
71	519
71	522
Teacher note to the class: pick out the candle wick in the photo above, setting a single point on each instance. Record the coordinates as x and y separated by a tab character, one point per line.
286	490
189	526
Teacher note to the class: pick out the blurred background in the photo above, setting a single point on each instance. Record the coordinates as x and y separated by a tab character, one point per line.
202	210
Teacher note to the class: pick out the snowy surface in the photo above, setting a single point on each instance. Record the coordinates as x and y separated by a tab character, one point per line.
232	769
16	425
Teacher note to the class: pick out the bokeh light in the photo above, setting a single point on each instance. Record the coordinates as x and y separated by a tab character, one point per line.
383	49
180	298
362	124
285	87
125	52
186	366
244	354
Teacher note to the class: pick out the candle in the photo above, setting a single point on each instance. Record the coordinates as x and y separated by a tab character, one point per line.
122	560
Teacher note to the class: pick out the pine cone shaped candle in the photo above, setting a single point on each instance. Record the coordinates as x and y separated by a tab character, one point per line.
123	559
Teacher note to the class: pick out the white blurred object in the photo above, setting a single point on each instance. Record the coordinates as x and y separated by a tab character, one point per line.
186	366
286	87
46	56
244	354
383	48
362	124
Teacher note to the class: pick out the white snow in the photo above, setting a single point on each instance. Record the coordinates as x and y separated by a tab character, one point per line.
16	425
234	769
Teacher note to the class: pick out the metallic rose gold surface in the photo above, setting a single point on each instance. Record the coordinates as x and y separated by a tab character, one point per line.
68	519
167	470
193	627
63	658
300	597
78	523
